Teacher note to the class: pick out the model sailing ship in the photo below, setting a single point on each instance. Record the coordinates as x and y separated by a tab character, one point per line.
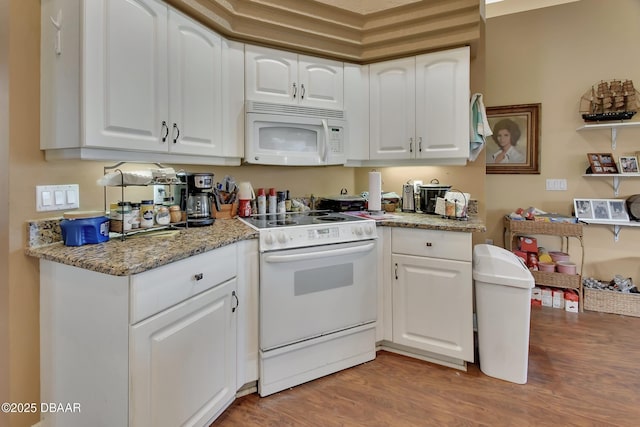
614	100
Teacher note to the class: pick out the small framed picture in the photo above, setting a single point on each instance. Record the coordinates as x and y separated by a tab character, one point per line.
583	208
602	163
628	164
609	210
618	210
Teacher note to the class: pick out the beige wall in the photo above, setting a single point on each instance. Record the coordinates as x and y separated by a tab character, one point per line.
553	56
4	213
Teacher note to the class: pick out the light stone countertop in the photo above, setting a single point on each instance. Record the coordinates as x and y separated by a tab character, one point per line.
138	254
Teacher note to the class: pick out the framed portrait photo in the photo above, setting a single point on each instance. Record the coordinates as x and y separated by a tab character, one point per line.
602	163
513	148
628	164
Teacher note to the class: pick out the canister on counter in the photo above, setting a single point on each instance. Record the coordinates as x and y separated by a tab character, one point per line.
175	214
147	213
120	217
135	215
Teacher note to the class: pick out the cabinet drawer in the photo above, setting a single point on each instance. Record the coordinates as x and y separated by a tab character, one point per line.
162	287
431	243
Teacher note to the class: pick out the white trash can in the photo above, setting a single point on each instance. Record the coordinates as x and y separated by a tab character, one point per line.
503	286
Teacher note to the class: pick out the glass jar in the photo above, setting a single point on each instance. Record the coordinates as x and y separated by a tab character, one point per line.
147	214
162	215
175	213
135	216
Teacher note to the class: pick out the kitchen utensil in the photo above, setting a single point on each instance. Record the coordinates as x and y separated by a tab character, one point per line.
429	194
408	198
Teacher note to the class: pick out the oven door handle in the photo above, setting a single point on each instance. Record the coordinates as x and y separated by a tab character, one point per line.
314	255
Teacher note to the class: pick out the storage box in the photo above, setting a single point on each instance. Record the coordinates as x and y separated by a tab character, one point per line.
528	244
521	254
558	298
571	299
547	297
612	302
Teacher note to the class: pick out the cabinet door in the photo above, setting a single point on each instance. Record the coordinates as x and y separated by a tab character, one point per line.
432	305
182	361
321	82
125	73
442	104
392	109
271	75
195	101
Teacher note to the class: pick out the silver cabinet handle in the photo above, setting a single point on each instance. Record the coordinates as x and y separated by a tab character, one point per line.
411	145
234	308
428	244
166	131
198	276
302	91
420	144
396	270
176	128
295	90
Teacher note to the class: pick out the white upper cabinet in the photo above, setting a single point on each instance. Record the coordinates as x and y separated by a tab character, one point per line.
136	76
392	109
419	108
442	104
284	77
195	104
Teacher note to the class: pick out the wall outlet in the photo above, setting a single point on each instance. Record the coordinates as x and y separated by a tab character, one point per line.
488	241
556	185
57	197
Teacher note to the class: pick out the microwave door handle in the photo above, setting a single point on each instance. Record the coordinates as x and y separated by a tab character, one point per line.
325	154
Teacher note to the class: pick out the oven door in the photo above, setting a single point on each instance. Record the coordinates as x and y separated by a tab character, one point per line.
309	292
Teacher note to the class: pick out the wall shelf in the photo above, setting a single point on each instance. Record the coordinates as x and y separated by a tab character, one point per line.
617	179
614	129
617	225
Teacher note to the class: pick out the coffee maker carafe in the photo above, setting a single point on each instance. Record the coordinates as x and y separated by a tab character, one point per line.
198	204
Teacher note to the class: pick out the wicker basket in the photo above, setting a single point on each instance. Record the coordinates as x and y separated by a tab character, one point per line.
541	227
612	302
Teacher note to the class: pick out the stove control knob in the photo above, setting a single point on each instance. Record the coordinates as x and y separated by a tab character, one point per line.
282	238
358	230
268	239
368	230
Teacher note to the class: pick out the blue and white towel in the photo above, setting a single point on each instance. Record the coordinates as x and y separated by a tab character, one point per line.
479	129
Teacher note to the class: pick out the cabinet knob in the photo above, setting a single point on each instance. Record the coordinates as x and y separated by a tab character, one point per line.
428	244
198	276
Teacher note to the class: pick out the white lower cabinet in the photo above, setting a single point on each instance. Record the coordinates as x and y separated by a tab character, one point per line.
152	349
431	295
182	363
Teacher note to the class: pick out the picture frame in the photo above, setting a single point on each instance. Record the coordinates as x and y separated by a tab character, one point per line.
522	156
603	210
602	163
628	164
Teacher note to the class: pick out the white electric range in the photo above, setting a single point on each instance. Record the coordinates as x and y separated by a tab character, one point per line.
317	295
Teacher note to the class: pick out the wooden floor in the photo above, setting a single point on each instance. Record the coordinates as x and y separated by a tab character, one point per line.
584	370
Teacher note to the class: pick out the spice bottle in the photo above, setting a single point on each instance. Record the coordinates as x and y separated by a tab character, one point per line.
135	215
282	207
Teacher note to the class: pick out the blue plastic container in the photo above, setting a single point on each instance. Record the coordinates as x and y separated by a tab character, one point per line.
82	231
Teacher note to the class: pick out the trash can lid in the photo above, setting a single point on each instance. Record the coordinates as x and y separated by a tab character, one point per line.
492	264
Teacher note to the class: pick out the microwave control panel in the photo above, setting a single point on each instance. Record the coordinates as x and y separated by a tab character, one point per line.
336	140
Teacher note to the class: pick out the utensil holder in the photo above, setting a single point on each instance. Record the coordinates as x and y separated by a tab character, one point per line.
226	211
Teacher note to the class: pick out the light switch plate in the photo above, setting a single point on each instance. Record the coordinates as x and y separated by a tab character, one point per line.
556	185
57	197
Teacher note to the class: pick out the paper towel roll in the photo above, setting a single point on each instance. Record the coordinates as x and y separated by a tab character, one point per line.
375	191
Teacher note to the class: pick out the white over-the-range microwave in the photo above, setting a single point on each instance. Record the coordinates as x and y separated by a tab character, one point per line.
292	135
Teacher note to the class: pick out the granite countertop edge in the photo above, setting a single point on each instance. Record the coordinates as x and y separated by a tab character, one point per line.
137	255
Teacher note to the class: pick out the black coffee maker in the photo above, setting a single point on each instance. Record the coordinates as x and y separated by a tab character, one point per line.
198	199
